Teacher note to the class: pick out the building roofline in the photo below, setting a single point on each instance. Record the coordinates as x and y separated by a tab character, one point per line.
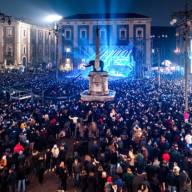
105	16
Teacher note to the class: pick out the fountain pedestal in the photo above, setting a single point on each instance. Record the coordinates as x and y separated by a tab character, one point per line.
98	88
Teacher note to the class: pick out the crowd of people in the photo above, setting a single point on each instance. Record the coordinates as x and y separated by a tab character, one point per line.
140	142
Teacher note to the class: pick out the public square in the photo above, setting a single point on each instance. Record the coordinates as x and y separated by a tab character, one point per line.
96	96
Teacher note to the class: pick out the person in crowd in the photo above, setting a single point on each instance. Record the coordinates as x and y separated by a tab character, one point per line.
91	182
41	168
55	156
128	180
76	167
62	173
141	141
21	177
108	184
83	181
12	180
139	178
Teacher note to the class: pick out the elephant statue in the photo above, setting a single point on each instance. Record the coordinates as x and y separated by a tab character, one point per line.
92	63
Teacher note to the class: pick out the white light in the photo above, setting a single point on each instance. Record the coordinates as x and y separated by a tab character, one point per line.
68	50
173	21
53	18
67	60
167	63
177	50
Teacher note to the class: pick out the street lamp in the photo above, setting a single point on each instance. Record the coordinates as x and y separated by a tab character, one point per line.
55	19
182	19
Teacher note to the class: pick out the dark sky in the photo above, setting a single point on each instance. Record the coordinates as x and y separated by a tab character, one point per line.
36	10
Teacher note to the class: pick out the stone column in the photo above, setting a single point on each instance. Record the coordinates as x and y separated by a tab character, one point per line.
131	32
60	49
114	37
148	46
1	45
75	35
90	33
37	46
18	42
29	44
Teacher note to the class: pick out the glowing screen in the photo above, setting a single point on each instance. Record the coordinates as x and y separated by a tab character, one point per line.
118	60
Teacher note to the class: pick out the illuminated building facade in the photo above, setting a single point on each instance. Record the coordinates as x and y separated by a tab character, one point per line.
24	44
125	41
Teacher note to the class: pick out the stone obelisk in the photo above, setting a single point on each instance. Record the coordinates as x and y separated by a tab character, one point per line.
98	79
97	59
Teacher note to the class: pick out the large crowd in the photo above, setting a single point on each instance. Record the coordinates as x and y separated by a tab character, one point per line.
140	142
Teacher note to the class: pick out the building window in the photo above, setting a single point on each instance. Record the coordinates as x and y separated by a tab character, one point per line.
40	50
9	51
24	33
139	33
83	34
47	49
46	35
102	34
9	31
123	34
40	35
68	34
24	50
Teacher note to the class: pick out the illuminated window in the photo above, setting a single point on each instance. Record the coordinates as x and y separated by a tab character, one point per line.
102	34
123	34
139	33
68	34
9	50
83	34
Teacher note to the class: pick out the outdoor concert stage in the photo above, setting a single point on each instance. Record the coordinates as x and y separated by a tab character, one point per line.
118	60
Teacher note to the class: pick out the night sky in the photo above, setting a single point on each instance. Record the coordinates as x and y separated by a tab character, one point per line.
36	10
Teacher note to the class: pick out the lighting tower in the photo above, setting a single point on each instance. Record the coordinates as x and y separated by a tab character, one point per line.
55	19
183	19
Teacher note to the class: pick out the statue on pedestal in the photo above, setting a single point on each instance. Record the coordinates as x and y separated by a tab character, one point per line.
97	64
97	67
98	79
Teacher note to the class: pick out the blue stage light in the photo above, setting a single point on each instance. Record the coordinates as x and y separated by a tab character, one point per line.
118	60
